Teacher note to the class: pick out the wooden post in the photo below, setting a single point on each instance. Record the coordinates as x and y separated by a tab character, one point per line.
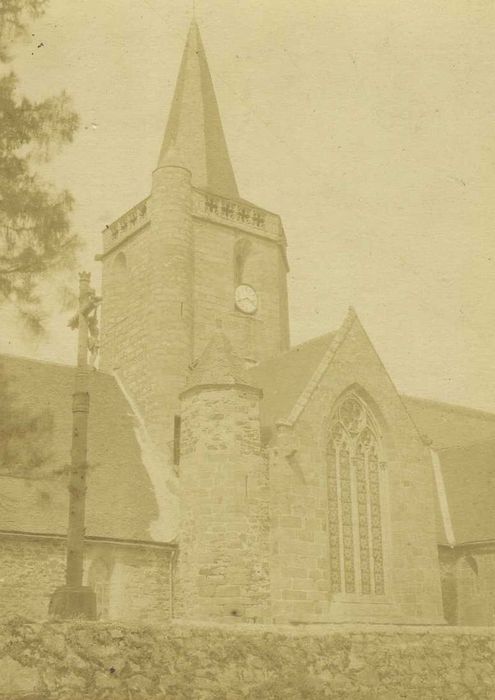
74	599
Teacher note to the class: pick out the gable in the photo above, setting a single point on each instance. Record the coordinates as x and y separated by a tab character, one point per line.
464	438
351	362
289	380
121	501
283	378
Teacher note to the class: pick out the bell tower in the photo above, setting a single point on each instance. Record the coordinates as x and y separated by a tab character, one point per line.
190	254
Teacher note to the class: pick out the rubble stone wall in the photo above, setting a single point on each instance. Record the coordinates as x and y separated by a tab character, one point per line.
92	661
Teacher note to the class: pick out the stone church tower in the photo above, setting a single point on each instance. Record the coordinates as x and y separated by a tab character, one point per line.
306	490
191	253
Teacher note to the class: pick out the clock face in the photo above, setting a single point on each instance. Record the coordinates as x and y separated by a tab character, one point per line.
246	299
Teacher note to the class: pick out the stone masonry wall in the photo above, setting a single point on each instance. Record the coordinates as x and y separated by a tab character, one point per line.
260	336
147	310
98	661
223	558
300	561
124	325
163	290
131	582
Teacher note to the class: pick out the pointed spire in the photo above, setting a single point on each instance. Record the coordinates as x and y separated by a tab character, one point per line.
194	135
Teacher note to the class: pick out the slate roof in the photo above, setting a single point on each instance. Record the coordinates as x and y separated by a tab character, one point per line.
284	377
120	501
448	425
465	441
469	477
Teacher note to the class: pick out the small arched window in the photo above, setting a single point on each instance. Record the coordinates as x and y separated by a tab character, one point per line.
242	249
355	508
117	289
119	266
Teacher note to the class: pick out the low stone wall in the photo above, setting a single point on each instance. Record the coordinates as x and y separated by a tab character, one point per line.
93	661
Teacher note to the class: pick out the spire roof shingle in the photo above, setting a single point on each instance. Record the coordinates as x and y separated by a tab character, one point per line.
194	136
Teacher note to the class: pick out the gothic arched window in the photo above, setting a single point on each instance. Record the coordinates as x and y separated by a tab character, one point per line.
355	492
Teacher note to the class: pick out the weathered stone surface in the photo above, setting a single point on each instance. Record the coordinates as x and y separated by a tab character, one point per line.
186	661
104	680
16	678
36	567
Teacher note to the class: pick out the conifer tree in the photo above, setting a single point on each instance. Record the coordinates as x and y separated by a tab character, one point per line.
25	435
35	234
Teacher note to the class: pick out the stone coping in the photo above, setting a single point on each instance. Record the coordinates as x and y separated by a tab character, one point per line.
336	628
310	630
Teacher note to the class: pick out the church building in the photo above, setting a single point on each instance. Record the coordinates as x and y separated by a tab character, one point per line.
232	476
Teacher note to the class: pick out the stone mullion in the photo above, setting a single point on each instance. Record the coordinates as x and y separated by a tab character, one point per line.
376	524
346	519
363	520
340	517
333	519
369	525
355	518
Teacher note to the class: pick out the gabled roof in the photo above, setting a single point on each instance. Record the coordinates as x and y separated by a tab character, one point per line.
448	425
283	378
194	136
464	439
121	500
469	476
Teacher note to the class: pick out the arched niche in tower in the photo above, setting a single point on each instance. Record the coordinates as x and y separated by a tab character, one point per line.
118	287
242	250
119	265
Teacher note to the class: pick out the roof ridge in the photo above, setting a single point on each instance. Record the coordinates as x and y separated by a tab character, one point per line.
311	340
35	359
465	445
26	358
334	344
280	355
450	406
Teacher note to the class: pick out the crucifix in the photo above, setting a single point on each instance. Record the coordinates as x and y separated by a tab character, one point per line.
74	599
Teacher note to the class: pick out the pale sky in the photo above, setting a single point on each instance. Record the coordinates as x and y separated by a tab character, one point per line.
369	126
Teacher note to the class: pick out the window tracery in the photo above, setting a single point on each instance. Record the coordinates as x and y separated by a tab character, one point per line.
354	493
